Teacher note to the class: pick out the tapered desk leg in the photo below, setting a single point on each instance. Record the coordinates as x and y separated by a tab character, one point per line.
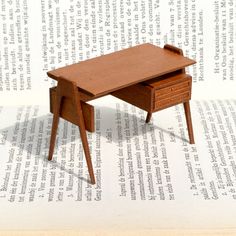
149	115
84	140
189	122
54	126
69	90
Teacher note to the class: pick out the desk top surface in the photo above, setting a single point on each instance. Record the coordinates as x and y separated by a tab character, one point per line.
107	73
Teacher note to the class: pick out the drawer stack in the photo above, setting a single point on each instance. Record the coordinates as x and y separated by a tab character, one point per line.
170	90
158	93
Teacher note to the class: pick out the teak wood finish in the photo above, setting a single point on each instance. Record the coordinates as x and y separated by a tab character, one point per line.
156	76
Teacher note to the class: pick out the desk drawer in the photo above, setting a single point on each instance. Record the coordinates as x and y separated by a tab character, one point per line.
170	90
174	89
172	95
171	101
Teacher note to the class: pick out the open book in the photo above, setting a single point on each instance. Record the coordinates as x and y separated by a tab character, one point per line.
149	178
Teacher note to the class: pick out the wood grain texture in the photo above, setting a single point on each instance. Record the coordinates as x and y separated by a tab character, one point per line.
110	72
172	101
171	91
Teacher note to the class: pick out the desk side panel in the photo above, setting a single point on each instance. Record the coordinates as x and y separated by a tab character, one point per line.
68	111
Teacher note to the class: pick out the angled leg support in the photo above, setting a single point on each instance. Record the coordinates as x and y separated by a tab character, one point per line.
69	90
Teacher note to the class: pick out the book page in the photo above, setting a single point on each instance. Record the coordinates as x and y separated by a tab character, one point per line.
40	36
148	176
143	171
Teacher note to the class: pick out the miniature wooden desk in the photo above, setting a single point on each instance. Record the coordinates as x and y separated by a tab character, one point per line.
146	76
